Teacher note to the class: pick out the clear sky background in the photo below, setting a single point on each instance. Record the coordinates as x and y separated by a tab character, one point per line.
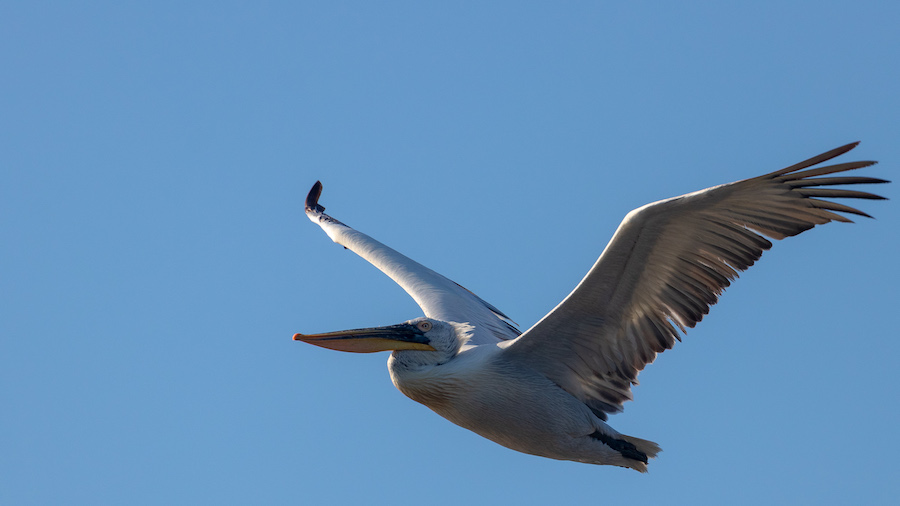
156	260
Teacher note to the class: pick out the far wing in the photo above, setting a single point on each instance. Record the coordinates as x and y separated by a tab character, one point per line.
439	297
667	263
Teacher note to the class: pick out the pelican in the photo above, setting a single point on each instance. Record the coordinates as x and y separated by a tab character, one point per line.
548	391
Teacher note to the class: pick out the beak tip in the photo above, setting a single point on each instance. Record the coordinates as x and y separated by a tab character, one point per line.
298	337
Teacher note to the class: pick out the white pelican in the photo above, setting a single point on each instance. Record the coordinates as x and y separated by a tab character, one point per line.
548	391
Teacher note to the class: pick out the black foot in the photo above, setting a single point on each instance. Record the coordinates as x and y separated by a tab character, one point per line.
628	450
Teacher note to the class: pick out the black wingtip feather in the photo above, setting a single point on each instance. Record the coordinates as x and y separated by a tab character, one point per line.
828	155
312	198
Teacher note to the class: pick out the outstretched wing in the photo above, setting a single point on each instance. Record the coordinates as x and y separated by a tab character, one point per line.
439	297
667	263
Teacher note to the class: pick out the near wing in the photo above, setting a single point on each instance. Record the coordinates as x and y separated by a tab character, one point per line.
667	263
439	297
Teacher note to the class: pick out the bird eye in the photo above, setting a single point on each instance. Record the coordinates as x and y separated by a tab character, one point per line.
424	326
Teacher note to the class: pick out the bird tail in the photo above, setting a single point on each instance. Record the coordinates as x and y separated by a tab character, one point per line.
648	448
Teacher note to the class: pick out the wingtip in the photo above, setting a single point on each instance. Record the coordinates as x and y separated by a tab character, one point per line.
312	199
845	148
828	155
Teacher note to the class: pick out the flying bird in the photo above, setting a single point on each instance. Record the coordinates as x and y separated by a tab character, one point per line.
548	391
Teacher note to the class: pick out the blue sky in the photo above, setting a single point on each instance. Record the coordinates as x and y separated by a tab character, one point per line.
156	261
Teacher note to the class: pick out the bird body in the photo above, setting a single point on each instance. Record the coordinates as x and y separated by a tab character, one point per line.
548	391
514	406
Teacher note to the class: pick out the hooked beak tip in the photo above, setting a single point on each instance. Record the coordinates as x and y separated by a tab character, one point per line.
298	337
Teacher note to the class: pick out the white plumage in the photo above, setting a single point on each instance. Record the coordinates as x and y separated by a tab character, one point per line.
549	390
